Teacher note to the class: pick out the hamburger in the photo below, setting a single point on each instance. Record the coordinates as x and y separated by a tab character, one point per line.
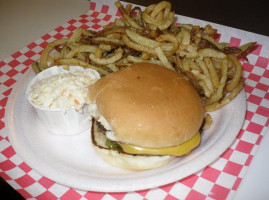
144	116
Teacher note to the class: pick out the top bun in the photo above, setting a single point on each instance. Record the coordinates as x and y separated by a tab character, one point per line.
148	105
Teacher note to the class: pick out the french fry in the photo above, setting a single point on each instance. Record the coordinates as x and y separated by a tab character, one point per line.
137	46
219	92
135	37
226	100
105	40
163	58
84	48
126	17
159	15
213	73
206	80
151	36
207	52
35	67
76	36
168	38
203	66
105	61
73	61
48	49
207	121
238	73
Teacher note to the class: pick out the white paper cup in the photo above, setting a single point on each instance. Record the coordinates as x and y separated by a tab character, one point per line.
61	121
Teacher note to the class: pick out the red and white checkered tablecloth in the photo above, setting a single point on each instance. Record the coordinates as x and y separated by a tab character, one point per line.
219	180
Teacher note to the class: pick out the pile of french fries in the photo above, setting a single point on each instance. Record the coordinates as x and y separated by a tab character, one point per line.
152	36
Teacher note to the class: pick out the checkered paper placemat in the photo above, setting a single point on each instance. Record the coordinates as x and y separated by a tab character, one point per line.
219	180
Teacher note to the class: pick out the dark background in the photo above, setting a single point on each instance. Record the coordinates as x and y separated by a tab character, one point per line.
247	15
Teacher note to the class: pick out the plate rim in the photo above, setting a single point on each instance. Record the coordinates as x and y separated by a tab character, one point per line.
206	160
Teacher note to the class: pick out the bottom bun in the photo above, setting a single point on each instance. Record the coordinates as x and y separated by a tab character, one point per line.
125	160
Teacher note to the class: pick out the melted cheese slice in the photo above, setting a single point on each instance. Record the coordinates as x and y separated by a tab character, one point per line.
180	150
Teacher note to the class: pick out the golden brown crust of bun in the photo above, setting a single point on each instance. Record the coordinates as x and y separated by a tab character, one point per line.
148	105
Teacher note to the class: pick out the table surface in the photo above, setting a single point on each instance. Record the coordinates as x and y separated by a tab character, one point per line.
25	21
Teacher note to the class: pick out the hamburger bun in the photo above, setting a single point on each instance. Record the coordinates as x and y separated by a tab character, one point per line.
149	106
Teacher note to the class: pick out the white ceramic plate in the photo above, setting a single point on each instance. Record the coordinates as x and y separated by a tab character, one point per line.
71	160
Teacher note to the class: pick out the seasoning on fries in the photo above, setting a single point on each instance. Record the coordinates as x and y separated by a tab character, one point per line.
152	36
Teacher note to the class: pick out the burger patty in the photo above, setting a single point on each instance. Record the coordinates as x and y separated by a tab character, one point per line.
101	128
108	143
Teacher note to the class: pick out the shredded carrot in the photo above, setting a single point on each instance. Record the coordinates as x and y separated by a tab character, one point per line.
77	102
66	93
63	92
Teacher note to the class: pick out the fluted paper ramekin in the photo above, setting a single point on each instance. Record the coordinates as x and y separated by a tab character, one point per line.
61	121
